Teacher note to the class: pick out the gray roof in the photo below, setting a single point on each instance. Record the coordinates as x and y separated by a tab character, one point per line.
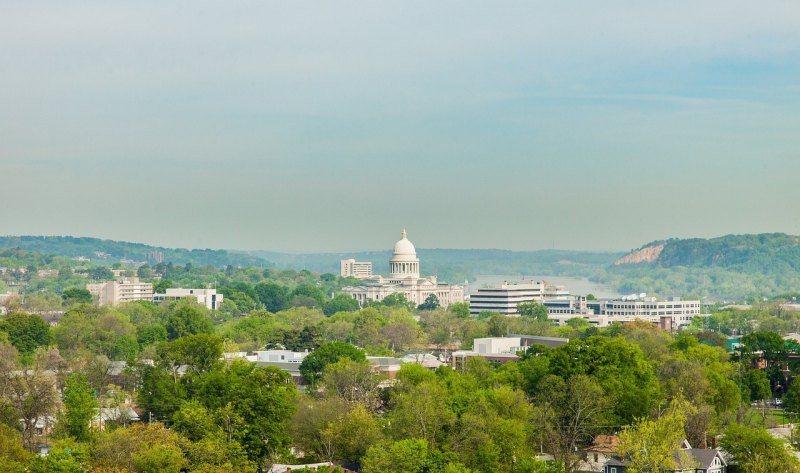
705	456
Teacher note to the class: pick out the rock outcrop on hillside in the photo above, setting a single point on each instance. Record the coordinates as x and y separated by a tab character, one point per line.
645	255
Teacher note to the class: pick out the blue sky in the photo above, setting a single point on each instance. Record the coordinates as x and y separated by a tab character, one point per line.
306	126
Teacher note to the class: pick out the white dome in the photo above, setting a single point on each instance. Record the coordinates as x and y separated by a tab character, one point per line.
404	250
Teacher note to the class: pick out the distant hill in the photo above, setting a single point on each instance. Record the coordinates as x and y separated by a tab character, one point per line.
111	251
731	267
762	253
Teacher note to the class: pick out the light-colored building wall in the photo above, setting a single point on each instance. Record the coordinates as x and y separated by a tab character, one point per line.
206	297
124	290
351	268
506	297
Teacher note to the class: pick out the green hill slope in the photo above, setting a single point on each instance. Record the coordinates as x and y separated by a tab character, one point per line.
731	267
111	251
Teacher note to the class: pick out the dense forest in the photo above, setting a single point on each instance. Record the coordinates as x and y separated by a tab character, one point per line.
110	251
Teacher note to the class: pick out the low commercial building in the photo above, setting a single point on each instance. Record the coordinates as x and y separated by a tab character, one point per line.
502	349
670	314
206	297
286	360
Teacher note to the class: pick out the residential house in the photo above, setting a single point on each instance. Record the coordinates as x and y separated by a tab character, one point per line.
703	460
599	453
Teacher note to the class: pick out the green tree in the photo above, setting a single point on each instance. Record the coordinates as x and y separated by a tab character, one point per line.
151	334
397	299
273	296
161	286
161	394
756	384
201	352
355	432
340	303
533	309
756	451
618	366
26	332
76	295
195	422
569	413
791	400
402	456
79	408
13	456
313	365
353	381
65	456
308	292
263	398
101	273
421	412
770	345
650	445
188	319
431	303
460	309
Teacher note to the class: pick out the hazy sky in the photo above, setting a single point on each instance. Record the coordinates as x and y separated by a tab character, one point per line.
326	126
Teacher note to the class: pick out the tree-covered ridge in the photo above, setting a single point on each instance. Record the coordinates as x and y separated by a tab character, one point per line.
89	247
760	253
732	267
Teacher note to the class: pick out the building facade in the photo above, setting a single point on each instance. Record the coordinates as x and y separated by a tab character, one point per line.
505	298
405	278
670	314
501	350
351	268
121	291
206	297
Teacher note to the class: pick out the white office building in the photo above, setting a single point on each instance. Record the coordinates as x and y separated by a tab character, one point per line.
669	314
505	298
121	291
351	268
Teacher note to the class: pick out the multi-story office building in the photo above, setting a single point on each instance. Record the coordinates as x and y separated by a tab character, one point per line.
351	268
670	314
506	297
123	290
206	297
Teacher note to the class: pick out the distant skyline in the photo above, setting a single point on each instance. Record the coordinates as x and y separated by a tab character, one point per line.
313	127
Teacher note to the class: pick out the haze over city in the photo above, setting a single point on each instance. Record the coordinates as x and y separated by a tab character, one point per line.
306	126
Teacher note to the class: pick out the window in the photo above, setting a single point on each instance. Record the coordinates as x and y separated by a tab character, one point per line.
595	458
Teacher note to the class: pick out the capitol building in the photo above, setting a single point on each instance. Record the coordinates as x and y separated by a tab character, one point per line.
405	278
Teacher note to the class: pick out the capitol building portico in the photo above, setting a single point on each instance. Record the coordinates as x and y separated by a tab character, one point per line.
405	278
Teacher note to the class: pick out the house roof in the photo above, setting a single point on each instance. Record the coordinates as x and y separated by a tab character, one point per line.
705	456
604	444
